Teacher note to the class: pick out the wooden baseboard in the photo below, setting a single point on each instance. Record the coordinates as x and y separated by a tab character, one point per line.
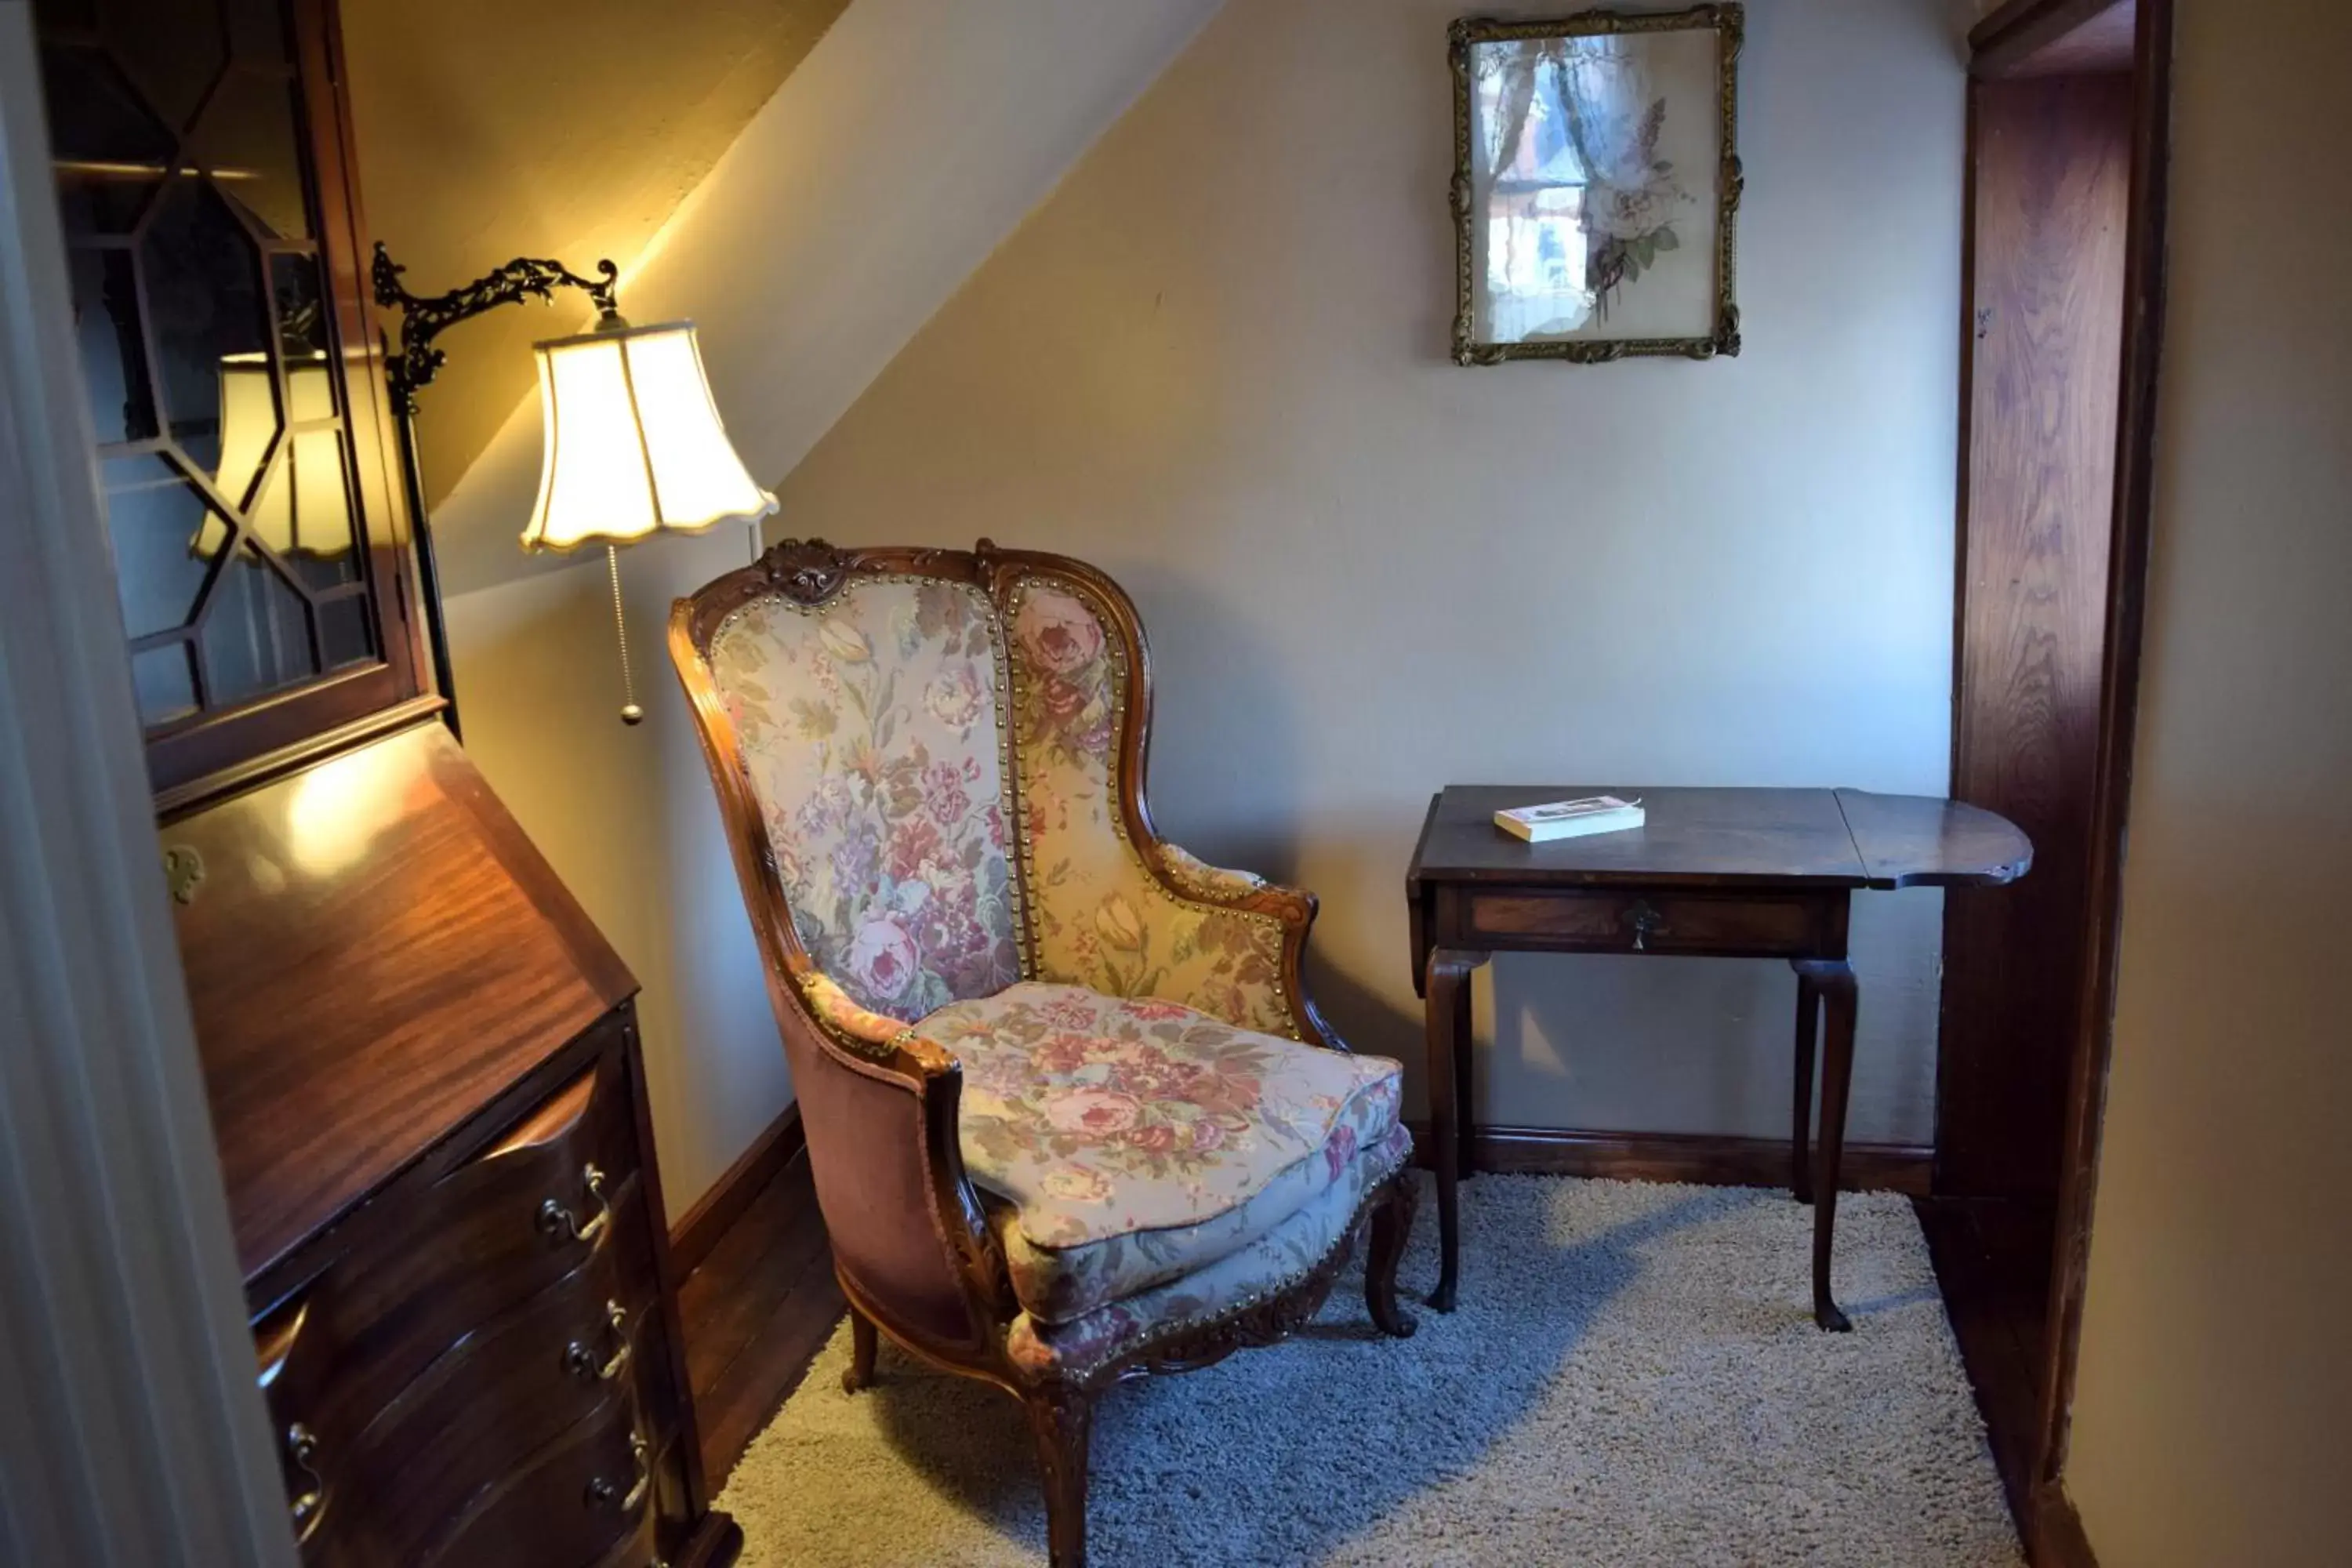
691	1239
1704	1157
2055	1539
1707	1158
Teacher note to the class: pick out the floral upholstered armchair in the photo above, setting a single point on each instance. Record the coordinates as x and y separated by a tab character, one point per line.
1070	1116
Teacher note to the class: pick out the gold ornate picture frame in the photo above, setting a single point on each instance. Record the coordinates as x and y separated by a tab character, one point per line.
1596	185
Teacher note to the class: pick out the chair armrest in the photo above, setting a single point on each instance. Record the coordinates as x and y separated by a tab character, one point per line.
878	1108
838	1010
1252	963
1190	874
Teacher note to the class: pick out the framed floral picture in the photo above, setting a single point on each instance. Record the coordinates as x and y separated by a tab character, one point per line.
1596	177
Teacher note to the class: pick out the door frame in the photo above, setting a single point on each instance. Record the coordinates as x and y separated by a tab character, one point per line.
2144	277
2034	37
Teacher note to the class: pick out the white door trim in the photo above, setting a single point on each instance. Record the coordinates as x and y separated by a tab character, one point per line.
133	1434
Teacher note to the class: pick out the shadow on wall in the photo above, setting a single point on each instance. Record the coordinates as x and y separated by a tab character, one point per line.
1666	1044
629	815
1223	677
731	1061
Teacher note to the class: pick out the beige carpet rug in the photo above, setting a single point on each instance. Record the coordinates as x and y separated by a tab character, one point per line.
1633	1378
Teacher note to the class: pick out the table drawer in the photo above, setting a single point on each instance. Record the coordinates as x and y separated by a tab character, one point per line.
1765	925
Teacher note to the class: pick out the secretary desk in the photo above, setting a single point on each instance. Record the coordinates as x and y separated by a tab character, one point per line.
423	1061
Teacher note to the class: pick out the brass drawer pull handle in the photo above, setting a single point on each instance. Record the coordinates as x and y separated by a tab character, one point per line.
1646	922
558	1222
603	1493
583	1361
310	1507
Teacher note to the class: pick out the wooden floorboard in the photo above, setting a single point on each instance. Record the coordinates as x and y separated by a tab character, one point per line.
756	1313
715	1215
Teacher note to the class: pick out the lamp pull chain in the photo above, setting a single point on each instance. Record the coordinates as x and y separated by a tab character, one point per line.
630	712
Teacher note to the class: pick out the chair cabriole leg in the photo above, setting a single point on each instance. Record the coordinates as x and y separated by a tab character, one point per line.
860	1370
1061	1419
1392	1228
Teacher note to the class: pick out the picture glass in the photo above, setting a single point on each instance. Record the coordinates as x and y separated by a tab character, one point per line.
1595	177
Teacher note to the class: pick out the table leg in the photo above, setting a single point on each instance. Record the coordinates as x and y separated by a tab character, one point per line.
1446	990
1834	980
1800	1140
1465	1098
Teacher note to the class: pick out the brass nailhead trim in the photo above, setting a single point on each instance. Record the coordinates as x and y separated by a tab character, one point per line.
1116	802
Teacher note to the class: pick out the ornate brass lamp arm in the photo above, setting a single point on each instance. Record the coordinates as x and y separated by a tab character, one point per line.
416	361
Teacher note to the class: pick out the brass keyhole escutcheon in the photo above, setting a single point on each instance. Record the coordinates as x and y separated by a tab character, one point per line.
184	872
1646	922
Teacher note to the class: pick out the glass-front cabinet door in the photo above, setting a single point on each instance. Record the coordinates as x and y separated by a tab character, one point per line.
243	438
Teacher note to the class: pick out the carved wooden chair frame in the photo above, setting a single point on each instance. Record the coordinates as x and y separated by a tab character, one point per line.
972	1281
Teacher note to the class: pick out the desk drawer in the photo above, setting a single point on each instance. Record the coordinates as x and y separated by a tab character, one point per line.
431	1268
576	1505
530	1237
482	1412
1721	925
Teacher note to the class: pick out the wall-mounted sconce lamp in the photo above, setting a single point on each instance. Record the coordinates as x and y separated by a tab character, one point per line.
633	448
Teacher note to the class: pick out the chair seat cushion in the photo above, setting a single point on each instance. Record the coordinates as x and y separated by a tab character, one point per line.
1274	1263
1131	1142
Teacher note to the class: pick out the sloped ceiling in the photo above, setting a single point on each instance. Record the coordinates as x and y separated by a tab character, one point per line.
492	130
914	139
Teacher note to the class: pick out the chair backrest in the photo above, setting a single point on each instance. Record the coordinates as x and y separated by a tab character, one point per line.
929	765
870	728
932	765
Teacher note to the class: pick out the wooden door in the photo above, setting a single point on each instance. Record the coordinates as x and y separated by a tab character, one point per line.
2049	205
2069	105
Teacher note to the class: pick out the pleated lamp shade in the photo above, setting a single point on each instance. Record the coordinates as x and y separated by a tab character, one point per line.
634	443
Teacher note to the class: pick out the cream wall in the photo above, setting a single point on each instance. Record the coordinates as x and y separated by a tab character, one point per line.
2216	1368
1214	363
610	807
911	141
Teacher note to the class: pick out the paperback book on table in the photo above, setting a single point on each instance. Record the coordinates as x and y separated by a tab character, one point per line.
1570	819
